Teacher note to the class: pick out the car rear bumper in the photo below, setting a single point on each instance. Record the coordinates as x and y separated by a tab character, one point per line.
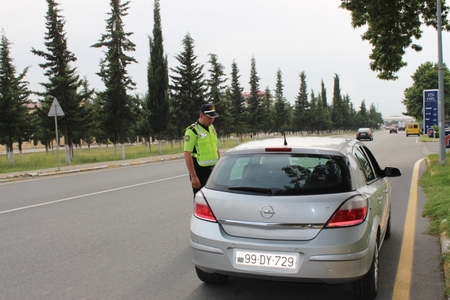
346	260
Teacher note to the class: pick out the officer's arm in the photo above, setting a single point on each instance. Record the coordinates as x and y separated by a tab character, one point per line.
190	164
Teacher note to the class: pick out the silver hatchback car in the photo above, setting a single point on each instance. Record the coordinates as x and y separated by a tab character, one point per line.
296	209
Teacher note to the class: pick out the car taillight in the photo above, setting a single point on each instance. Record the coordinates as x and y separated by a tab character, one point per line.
352	212
202	209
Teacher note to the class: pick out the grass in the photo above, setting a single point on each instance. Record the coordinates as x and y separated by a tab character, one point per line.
43	160
435	184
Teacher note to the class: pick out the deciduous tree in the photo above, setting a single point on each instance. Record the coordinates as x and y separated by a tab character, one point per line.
391	28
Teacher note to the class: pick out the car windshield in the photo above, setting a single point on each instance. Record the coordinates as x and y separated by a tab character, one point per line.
281	174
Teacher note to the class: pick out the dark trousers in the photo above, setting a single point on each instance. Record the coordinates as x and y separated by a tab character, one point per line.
202	174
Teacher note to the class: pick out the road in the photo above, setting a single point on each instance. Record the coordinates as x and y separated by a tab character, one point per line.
124	234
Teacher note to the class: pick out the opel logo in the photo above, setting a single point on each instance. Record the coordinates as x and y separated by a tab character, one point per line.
267	212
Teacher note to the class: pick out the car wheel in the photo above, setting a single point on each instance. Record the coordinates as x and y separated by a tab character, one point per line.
210	278
367	286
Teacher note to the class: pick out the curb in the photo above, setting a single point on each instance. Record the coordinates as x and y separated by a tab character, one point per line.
70	170
445	250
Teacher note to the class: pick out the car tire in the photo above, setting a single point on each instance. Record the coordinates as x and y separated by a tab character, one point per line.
210	278
367	286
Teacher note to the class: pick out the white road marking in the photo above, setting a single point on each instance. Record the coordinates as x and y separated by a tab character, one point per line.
87	195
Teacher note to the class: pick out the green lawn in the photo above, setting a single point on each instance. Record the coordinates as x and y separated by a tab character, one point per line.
43	160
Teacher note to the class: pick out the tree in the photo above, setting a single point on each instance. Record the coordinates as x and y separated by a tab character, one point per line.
336	111
116	104
14	121
267	112
216	93
88	130
362	116
314	121
225	122
216	81
237	101
301	106
254	101
326	123
280	105
375	118
425	78
188	87
345	112
391	27
63	81
157	102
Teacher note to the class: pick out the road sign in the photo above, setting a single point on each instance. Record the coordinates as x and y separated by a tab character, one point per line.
55	109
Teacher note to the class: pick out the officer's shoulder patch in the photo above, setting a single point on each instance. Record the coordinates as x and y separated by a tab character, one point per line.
187	138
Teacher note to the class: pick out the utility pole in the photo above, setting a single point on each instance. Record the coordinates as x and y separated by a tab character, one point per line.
441	98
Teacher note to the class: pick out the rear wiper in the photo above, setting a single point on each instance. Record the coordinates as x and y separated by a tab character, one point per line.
255	189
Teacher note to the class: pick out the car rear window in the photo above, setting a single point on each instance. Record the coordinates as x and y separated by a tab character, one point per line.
281	174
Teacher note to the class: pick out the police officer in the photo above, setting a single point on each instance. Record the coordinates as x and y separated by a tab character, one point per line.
201	148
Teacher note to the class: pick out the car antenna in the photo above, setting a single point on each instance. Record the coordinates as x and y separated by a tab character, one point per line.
285	142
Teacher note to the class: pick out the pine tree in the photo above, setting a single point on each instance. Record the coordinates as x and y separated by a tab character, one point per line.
345	109
116	102
216	81
280	105
254	101
237	102
216	91
336	112
63	81
188	87
157	101
301	106
267	112
326	123
15	125
313	114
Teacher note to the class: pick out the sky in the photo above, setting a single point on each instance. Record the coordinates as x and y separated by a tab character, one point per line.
315	37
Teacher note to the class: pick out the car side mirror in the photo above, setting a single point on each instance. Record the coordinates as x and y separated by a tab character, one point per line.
392	172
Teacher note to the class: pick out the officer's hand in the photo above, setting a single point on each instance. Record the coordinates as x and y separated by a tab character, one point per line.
195	182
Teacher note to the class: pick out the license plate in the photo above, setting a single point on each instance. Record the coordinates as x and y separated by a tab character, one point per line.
267	260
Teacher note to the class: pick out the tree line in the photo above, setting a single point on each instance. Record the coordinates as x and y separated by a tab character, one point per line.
173	99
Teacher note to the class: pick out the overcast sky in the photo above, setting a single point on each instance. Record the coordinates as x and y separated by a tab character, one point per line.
291	35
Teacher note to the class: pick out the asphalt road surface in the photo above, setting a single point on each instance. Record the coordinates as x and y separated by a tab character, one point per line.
124	234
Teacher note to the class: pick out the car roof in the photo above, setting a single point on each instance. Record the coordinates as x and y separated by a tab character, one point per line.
319	145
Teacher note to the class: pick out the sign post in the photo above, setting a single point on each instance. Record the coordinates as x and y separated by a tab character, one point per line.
55	111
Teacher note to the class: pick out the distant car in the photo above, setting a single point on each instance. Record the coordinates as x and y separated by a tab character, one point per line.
311	209
393	129
364	134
